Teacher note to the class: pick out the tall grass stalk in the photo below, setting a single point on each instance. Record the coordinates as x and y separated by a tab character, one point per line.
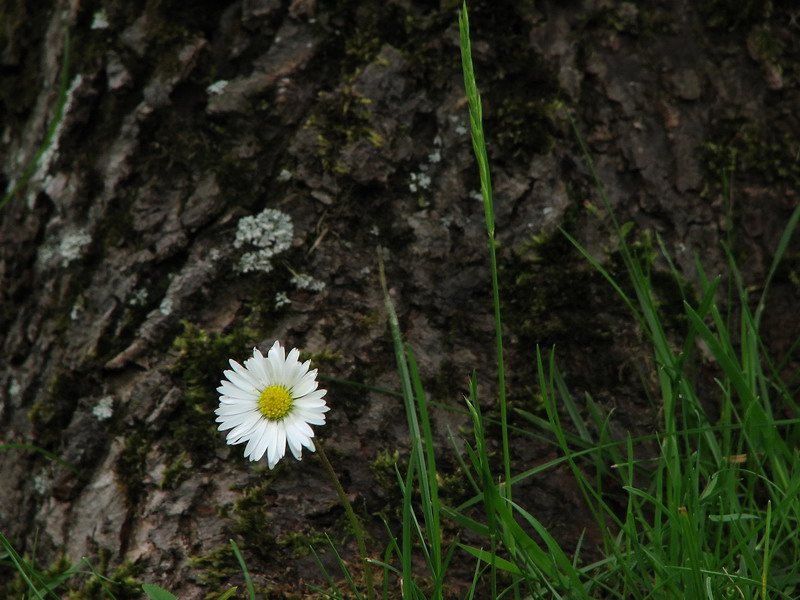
479	146
423	458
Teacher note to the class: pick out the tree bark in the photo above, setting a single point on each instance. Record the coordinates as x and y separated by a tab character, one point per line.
125	288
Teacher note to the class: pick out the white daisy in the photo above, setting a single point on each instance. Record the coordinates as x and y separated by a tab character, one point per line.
269	403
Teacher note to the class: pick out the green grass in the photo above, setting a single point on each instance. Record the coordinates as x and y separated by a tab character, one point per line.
712	514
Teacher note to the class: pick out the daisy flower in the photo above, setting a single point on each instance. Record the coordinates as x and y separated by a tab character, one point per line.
270	403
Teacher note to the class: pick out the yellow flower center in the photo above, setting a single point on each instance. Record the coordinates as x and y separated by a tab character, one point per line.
275	402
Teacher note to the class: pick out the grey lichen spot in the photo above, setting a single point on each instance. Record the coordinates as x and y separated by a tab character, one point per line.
138	297
281	300
14	389
268	233
217	88
419	180
308	283
459	124
166	306
40	484
104	408
72	246
77	309
422	179
100	20
68	249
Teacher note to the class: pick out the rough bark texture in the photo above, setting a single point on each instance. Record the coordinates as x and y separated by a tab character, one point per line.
123	293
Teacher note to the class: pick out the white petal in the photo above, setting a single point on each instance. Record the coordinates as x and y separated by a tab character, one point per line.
251	442
289	369
299	425
310	404
310	408
276	367
269	372
228	389
225	409
227	401
281	440
315	420
293	440
233	441
294	356
305	370
263	442
241	432
235	420
277	353
271	462
230	421
296	373
309	411
311	418
315	395
256	366
272	443
256	445
224	424
245	373
246	385
306	385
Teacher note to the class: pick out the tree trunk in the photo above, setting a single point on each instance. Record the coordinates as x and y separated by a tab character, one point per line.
128	279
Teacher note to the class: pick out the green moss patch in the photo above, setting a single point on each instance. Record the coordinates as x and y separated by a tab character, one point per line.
199	367
217	566
131	465
251	521
761	153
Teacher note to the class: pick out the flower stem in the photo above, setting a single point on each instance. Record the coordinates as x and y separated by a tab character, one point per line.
358	530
